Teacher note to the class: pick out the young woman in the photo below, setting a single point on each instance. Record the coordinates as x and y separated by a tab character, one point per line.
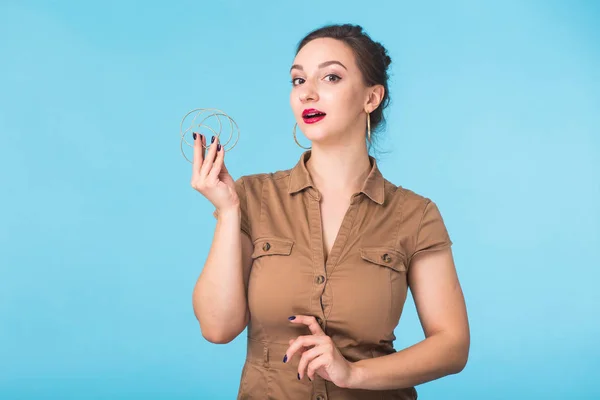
316	260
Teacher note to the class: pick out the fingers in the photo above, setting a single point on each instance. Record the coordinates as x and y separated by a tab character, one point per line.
210	158
309	321
305	361
198	152
301	351
303	341
317	362
218	162
203	144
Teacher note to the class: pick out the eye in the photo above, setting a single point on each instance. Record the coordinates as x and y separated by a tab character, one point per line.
297	81
334	78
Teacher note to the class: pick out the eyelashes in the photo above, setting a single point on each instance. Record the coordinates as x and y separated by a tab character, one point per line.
334	78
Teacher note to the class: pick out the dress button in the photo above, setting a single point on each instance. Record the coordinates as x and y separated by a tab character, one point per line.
266	246
320	397
320	279
386	257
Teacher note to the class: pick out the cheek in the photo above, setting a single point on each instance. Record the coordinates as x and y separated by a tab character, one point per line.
295	103
343	102
342	96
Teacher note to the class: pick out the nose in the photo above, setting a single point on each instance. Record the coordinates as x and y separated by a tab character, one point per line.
308	93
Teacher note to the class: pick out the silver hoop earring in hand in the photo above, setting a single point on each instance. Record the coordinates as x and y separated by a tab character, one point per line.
195	127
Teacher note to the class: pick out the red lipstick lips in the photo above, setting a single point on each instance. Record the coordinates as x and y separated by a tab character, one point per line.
312	115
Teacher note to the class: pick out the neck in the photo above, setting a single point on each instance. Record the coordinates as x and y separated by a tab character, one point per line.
340	170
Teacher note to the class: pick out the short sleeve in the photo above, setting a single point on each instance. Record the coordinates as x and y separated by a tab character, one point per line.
432	233
240	188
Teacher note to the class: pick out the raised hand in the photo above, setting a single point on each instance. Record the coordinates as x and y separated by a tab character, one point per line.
210	176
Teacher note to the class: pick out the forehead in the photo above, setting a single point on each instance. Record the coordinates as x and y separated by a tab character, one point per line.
324	49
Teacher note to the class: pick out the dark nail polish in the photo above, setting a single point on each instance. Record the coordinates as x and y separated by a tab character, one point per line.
213	139
298	376
219	147
292	318
285	358
194	135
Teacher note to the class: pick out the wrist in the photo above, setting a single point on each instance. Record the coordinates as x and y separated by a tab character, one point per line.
231	212
357	375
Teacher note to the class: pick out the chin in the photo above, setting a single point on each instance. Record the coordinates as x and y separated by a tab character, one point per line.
316	132
317	136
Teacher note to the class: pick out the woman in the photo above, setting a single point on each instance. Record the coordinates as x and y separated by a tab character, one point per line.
316	260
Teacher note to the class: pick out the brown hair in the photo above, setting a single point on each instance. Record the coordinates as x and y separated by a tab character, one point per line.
372	60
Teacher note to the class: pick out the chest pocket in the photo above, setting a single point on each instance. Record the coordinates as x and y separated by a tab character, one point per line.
385	257
267	246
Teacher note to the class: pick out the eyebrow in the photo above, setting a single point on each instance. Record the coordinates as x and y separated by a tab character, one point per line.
322	65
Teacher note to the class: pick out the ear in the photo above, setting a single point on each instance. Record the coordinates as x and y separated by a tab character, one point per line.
374	97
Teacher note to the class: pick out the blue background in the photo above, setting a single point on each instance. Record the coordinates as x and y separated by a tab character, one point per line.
494	115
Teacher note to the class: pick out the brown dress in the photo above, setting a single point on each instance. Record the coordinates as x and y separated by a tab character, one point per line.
357	295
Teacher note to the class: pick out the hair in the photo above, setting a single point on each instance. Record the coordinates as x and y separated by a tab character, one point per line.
372	60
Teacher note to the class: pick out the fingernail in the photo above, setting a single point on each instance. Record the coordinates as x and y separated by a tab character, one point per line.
213	139
292	318
194	135
285	358
219	147
298	376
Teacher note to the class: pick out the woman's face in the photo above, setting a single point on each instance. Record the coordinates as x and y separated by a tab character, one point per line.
328	95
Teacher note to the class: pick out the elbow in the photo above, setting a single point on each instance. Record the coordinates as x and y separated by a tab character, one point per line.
213	331
459	365
217	337
461	356
222	334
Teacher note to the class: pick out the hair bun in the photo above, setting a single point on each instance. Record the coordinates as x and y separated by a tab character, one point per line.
354	29
384	55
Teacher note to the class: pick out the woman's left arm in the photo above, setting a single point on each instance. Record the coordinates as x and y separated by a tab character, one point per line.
441	309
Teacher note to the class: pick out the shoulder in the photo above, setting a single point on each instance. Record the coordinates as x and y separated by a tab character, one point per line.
254	183
411	202
262	177
417	211
422	227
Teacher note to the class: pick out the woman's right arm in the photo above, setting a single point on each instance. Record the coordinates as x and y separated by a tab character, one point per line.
219	298
220	295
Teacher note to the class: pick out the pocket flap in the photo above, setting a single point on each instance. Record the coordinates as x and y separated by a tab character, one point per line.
384	256
272	246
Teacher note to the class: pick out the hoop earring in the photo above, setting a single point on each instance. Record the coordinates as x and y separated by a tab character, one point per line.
294	131
369	126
